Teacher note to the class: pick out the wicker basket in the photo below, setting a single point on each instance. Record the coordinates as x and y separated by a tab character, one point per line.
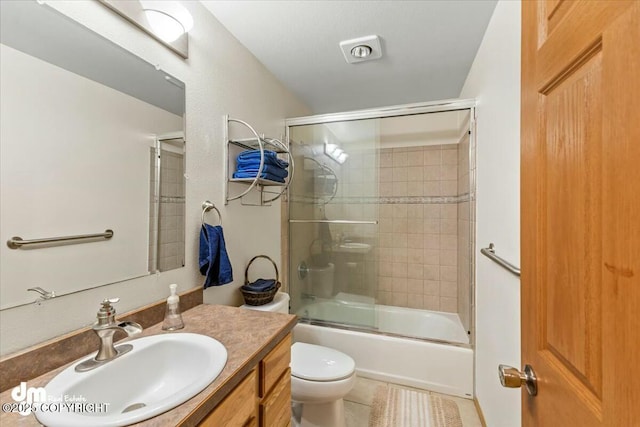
259	298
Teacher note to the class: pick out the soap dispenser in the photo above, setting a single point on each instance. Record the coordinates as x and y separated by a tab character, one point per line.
172	316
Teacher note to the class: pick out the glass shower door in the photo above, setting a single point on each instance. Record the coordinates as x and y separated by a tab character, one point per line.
333	217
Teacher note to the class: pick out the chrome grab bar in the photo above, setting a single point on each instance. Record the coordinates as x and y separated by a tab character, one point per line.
329	221
17	242
490	253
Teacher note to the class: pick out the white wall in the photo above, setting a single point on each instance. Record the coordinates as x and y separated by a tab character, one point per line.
494	80
221	77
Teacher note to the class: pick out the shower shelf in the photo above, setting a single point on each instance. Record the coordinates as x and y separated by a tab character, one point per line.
252	144
257	142
260	181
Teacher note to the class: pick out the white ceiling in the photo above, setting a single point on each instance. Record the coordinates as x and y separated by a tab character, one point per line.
428	47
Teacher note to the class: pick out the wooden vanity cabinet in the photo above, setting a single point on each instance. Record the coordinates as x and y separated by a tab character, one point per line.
275	386
238	408
275	408
263	398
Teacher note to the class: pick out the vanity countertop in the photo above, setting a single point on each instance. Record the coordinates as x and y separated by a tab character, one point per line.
248	335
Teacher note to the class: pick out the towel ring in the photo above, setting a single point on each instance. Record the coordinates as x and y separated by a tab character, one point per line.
206	207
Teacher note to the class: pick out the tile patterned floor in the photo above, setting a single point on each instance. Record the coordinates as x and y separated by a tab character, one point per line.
357	405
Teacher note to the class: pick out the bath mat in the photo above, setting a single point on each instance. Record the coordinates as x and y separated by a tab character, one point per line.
400	407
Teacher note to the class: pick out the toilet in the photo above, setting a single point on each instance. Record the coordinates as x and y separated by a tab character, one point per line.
320	377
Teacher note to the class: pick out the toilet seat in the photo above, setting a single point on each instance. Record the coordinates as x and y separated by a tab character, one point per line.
317	363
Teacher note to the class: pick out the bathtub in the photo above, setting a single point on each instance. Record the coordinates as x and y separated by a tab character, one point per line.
416	348
390	320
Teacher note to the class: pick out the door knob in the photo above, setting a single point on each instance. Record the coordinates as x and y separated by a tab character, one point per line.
513	378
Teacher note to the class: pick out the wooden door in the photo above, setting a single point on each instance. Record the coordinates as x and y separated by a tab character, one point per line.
581	211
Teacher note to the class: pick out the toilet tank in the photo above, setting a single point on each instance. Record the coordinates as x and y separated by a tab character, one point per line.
280	304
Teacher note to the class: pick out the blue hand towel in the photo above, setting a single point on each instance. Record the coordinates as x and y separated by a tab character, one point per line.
214	260
260	285
242	174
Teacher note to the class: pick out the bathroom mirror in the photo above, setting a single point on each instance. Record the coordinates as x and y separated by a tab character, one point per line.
83	122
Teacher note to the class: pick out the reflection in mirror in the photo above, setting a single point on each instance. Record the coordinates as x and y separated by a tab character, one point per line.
79	118
166	232
319	182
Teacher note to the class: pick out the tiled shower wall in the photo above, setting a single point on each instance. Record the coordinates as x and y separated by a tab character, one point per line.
421	245
171	246
152	211
418	241
171	238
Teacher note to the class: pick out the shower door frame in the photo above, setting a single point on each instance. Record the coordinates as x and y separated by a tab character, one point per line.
380	113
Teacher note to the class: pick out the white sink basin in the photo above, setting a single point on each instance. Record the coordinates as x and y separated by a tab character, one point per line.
354	247
160	373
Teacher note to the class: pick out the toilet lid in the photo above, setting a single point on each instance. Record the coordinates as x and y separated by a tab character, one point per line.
316	363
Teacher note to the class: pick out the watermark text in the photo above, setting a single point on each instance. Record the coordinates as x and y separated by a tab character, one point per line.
35	399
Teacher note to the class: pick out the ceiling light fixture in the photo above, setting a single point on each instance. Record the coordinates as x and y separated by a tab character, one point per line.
165	26
361	49
335	153
168	19
329	148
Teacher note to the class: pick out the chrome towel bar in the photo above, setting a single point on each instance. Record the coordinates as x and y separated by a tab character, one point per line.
490	253
17	242
206	207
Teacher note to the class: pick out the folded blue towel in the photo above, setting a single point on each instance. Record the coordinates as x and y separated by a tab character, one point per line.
255	154
242	174
249	289
267	161
214	260
252	158
271	170
260	285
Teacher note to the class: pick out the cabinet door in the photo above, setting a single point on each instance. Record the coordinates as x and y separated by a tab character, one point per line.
275	409
238	409
274	364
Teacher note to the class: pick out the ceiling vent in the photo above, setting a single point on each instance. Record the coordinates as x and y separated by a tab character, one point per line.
361	49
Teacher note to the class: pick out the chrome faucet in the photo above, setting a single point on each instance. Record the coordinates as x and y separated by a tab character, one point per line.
105	327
